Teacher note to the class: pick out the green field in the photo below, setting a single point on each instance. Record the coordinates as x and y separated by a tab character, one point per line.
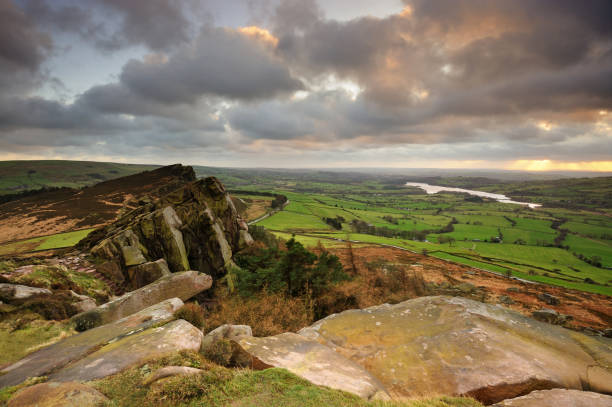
56	241
503	238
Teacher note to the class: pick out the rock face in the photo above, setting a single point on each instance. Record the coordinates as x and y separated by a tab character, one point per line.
181	285
446	345
54	394
558	398
146	273
194	227
312	361
132	350
73	348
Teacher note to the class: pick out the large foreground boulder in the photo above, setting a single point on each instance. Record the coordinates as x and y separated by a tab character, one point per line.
73	348
55	394
194	227
456	346
133	350
312	361
180	285
559	398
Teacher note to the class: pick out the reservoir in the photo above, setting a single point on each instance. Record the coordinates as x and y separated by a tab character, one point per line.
432	189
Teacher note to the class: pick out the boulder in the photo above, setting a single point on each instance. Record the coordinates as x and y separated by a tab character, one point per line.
230	332
312	361
10	292
558	398
146	273
53	394
181	285
73	348
549	299
456	346
84	302
194	227
133	350
170	371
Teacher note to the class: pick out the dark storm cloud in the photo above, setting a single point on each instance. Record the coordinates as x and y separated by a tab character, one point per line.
220	62
21	45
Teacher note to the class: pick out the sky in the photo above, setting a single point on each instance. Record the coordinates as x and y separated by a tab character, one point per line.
519	85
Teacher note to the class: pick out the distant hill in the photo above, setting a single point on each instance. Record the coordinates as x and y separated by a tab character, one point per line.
19	176
66	209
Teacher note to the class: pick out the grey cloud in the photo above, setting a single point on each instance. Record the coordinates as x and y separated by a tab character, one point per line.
220	62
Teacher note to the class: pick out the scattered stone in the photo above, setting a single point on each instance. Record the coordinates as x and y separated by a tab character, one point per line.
181	285
549	299
132	350
9	292
504	299
551	316
146	273
73	348
558	398
513	290
457	346
85	303
169	371
466	288
312	361
607	332
53	394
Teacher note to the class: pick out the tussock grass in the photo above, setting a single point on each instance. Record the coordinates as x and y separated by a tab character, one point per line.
218	386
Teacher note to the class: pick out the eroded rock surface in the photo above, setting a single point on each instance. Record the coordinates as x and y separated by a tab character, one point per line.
447	345
312	361
73	348
194	227
53	394
559	398
132	350
182	285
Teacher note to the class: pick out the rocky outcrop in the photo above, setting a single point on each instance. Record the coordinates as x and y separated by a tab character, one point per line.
132	350
194	227
312	361
456	346
53	394
181	285
558	398
57	356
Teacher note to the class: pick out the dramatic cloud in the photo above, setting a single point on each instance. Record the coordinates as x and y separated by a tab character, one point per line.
221	62
437	79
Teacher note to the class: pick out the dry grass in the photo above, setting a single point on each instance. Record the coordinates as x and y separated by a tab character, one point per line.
267	313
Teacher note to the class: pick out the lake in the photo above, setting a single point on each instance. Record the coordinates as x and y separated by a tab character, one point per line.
433	189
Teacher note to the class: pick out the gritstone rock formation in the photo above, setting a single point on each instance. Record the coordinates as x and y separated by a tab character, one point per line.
195	227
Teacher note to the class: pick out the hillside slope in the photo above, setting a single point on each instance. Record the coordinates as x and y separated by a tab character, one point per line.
69	209
19	176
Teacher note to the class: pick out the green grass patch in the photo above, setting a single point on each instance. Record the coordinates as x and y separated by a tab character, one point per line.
218	386
57	241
